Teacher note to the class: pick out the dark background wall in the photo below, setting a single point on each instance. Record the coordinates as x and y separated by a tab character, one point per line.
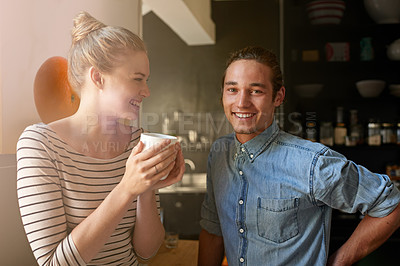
339	78
188	78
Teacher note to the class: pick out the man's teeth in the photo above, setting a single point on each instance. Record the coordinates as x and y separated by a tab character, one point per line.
243	115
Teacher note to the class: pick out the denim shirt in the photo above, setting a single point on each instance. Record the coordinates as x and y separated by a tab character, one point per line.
271	198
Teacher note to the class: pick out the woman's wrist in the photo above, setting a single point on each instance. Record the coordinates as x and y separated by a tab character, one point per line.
147	195
125	193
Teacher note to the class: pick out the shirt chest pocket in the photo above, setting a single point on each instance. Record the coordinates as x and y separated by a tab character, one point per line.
277	219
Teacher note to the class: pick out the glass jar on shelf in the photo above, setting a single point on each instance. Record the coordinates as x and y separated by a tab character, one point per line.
374	134
388	133
340	130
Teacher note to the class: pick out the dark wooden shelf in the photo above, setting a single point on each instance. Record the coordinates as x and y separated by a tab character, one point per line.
367	148
339	78
339	90
375	158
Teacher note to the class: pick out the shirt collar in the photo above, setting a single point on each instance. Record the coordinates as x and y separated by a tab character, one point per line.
258	144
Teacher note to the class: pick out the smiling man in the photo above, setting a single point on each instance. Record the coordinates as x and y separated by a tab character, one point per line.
249	98
270	194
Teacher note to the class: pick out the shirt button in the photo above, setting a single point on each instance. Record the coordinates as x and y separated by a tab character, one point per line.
240	173
243	150
241	202
241	230
241	260
251	156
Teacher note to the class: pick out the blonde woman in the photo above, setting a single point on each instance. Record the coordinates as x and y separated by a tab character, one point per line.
86	189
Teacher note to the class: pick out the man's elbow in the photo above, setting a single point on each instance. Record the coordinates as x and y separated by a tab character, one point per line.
396	217
211	249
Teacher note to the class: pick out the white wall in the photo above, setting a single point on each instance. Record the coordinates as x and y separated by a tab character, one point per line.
189	19
30	33
14	246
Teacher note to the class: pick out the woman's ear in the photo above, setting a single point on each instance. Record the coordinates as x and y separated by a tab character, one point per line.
96	77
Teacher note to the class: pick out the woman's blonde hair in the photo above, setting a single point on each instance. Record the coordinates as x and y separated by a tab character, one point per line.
98	45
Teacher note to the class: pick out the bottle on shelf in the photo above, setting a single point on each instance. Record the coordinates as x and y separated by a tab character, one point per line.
311	126
311	131
326	133
367	51
398	134
340	130
356	131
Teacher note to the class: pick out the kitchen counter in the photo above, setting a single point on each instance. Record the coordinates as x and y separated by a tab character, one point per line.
177	190
191	183
184	255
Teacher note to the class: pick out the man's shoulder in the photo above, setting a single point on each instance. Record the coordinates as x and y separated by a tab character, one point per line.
289	140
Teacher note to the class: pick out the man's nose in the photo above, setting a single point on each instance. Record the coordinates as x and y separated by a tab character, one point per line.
243	99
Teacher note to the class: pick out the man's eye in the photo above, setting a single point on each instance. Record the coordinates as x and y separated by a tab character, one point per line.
231	89
138	79
256	91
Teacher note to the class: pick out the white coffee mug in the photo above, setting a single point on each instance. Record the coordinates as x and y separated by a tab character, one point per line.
150	139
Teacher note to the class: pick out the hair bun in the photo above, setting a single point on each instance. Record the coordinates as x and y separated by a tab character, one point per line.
84	24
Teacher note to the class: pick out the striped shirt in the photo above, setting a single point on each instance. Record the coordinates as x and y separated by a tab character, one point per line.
58	188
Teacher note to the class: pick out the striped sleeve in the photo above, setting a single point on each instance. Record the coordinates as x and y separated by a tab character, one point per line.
41	204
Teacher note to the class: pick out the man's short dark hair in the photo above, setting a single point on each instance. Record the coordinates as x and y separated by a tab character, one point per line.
262	56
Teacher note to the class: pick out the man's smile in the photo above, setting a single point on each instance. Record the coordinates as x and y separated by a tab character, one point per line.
244	115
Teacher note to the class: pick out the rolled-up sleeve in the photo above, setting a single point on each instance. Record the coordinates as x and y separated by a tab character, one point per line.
209	215
344	185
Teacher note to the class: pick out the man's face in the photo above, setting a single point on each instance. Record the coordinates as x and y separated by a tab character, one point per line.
248	98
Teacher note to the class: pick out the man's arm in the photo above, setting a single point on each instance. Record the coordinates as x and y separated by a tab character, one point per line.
368	236
211	249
